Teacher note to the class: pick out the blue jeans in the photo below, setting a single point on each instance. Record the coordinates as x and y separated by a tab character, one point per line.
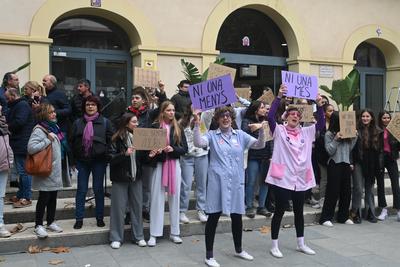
196	166
98	170
3	184
25	180
256	171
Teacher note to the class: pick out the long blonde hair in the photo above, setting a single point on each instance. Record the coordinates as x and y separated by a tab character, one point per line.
174	122
36	86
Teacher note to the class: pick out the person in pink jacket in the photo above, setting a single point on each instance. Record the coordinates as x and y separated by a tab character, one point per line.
291	174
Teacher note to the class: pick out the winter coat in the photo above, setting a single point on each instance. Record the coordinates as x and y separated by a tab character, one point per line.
103	131
181	100
120	164
6	153
60	103
38	142
20	124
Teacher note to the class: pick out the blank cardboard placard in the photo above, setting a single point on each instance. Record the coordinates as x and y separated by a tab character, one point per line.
146	78
268	97
394	126
217	70
243	92
149	139
347	122
306	112
267	132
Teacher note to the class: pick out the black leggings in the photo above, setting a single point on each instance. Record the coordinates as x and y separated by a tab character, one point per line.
282	196
211	226
47	199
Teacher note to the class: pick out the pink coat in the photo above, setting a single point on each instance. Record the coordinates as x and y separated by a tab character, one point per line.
291	166
6	153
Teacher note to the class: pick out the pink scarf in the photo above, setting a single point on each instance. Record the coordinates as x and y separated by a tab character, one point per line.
293	132
88	132
168	167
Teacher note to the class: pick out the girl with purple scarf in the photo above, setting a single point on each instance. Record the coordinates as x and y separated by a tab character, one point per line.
91	139
166	175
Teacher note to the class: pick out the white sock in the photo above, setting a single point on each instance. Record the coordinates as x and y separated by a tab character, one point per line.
274	243
300	241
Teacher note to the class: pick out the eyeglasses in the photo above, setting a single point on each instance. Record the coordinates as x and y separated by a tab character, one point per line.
51	112
90	105
294	113
226	114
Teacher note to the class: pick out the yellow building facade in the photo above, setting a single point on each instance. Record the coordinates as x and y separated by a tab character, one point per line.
321	37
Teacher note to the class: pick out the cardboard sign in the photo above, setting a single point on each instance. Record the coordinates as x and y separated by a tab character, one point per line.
243	92
146	78
300	85
217	70
394	126
267	132
306	112
268	97
149	139
347	123
213	93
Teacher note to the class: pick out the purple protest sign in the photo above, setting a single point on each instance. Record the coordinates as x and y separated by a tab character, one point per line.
213	93
300	85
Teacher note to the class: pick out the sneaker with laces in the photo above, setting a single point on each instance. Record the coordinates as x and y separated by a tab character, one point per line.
54	228
211	262
4	232
276	253
202	216
141	243
244	255
306	250
176	239
383	215
41	232
115	244
22	203
327	224
349	222
251	212
152	241
183	218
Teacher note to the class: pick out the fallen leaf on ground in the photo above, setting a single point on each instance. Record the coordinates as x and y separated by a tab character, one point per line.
195	240
60	250
34	249
16	228
265	229
46	249
56	262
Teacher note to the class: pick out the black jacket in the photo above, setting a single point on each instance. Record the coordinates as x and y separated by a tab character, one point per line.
257	154
393	143
76	107
181	100
101	148
178	149
120	164
60	103
20	124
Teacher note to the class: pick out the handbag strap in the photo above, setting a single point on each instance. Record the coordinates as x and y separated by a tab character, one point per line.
51	138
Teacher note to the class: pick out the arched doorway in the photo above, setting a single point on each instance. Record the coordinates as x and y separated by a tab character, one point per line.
252	42
370	62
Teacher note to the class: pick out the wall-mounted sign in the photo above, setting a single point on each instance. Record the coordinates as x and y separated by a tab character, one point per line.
59	54
95	3
326	71
246	41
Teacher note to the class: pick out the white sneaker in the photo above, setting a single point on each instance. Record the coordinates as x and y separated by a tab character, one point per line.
41	232
202	216
115	244
183	218
276	253
141	243
211	262
349	222
316	206
327	224
176	239
152	241
54	228
244	255
313	201
4	232
306	250
383	215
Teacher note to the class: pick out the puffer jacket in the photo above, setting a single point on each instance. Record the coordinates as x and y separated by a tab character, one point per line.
6	153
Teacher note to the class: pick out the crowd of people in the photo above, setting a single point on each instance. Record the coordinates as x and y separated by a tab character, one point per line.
237	170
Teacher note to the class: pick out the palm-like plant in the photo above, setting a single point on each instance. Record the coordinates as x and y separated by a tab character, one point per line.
193	74
345	91
21	67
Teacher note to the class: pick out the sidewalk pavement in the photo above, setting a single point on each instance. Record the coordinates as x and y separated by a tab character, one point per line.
342	245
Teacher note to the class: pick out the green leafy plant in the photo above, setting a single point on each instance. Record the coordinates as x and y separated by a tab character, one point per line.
193	74
21	67
345	91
